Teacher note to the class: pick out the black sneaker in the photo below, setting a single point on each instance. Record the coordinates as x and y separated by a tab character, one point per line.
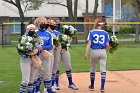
91	88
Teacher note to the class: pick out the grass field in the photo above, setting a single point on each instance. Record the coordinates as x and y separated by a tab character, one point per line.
125	58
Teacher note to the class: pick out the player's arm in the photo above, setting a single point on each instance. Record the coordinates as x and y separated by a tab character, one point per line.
107	42
50	45
87	49
107	46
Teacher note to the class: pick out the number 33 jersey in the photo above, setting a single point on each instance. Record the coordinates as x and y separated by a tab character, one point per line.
98	38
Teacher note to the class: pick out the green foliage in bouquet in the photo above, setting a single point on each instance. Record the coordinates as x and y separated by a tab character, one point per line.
69	30
64	41
113	43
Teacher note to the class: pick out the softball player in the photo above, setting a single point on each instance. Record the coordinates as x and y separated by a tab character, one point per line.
53	68
46	44
64	56
98	41
27	68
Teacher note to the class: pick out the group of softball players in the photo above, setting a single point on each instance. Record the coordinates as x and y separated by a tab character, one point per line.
48	72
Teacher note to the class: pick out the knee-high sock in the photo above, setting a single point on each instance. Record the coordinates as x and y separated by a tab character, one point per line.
38	83
23	88
53	79
57	78
30	88
69	75
34	86
48	86
92	78
103	78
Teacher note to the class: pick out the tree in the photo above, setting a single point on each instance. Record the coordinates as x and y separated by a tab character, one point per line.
72	13
23	6
95	10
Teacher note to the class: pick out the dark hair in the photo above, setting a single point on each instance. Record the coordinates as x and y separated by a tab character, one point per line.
31	21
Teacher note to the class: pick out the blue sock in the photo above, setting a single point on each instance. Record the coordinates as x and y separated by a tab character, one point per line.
57	78
103	78
69	75
53	79
38	83
34	86
23	88
48	86
30	88
92	78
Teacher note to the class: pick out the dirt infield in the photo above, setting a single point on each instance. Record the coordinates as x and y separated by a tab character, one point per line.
116	82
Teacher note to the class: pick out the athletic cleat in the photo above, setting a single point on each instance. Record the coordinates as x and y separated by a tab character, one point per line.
38	92
53	89
91	88
102	90
73	86
57	87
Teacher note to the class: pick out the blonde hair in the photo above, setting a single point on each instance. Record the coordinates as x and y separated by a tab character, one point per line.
36	22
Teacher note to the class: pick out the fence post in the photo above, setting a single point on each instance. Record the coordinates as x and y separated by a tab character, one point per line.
2	33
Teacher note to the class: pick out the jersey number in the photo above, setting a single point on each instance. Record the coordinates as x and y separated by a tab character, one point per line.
99	38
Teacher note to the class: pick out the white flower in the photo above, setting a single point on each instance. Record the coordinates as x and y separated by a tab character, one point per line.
20	47
54	36
66	26
72	32
23	40
114	39
29	38
64	37
75	30
68	44
27	43
29	46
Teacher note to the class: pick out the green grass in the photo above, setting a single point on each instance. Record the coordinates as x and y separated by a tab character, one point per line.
15	37
125	58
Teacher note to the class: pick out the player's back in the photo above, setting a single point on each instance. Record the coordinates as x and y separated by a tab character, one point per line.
98	38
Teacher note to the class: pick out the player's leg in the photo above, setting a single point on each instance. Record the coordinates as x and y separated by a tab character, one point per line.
67	64
54	67
25	70
46	64
51	72
102	61
57	60
38	80
93	60
32	79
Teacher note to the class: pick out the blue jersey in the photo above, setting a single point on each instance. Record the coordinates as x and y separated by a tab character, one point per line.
47	40
98	38
56	32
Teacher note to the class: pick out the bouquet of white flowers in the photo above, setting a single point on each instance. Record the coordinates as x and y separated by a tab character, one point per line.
113	44
27	44
64	41
69	30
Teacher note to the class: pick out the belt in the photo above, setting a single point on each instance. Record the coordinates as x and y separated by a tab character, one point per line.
98	48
